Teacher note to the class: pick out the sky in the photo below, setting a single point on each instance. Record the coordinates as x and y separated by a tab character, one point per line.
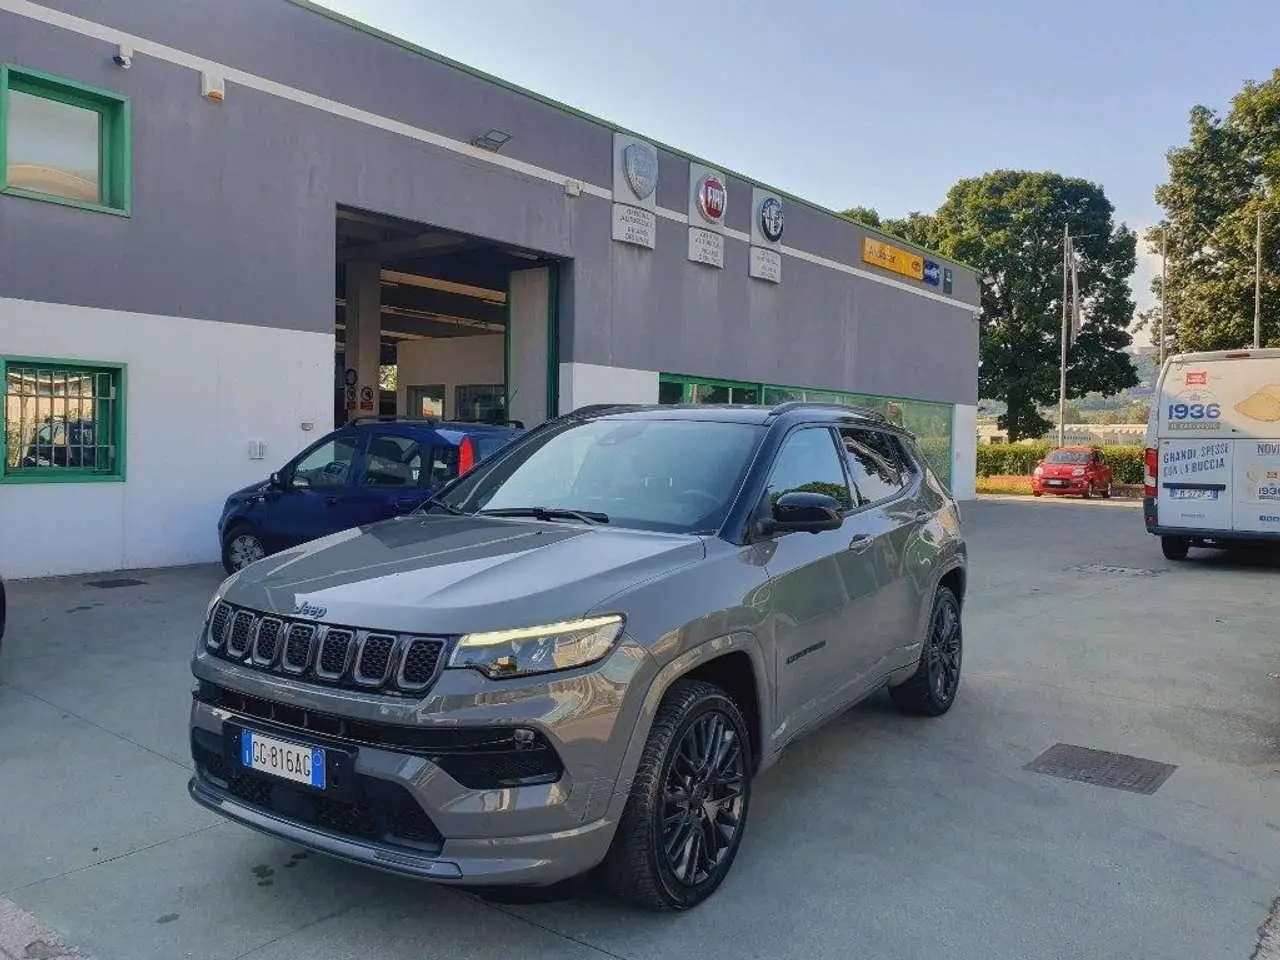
883	104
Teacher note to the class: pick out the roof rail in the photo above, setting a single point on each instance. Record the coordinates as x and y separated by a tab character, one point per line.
789	405
391	418
601	407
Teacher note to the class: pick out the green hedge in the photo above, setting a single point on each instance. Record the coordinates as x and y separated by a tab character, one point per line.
995	459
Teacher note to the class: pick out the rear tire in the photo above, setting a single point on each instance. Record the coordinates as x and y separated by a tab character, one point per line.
932	688
1175	548
1107	491
691	793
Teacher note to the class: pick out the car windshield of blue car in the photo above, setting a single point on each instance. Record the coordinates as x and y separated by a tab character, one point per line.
678	476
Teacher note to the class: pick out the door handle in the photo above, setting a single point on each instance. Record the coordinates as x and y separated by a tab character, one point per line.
331	501
860	543
408	503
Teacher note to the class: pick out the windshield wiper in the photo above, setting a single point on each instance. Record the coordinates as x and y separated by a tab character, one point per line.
446	507
547	513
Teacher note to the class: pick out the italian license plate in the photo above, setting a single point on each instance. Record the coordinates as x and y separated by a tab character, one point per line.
1055	483
1194	494
289	761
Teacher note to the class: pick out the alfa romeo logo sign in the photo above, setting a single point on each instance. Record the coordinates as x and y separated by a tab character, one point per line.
771	220
640	164
712	197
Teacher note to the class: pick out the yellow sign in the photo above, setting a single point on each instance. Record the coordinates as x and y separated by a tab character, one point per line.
880	254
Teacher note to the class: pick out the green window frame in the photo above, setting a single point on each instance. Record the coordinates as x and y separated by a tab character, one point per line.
115	160
931	422
64	421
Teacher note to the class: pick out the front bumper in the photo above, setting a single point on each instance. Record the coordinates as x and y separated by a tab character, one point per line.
1074	487
533	860
444	786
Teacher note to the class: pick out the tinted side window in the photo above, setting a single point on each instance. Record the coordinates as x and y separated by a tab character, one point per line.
809	461
879	466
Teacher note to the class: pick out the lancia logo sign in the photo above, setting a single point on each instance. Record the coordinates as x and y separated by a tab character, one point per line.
771	220
712	197
640	164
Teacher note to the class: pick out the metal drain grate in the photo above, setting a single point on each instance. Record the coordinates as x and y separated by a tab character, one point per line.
1103	570
1103	769
117	582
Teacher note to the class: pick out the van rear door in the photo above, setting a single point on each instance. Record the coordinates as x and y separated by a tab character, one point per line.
1219	432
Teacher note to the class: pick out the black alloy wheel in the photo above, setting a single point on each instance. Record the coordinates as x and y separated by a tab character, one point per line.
684	821
702	799
932	688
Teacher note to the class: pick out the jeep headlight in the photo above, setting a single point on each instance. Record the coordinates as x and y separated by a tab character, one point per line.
556	646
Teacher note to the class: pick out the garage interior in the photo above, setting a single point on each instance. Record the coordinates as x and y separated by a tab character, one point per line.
433	323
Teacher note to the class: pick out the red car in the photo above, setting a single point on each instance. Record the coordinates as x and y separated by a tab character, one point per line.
1081	471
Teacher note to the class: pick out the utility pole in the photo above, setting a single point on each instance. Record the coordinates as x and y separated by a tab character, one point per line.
1164	289
1066	331
1257	284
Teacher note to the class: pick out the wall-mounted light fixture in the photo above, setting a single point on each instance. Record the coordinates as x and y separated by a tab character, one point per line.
212	87
494	140
124	56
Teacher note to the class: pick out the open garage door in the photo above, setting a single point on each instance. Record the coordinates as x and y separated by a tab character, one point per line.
434	323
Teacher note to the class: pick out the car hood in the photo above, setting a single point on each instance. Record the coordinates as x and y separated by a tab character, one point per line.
442	574
1062	470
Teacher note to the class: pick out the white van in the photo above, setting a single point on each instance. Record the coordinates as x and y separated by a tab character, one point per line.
1212	474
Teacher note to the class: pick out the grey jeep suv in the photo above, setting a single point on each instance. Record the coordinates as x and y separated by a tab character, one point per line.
581	653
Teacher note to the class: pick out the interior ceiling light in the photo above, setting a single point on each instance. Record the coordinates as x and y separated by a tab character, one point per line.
494	140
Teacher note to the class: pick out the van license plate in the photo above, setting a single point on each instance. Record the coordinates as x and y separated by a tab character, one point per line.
1193	494
289	761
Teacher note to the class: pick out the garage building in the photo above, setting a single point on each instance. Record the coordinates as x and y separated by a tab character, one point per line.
226	225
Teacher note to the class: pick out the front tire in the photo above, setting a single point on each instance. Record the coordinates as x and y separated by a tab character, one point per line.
683	822
241	547
932	688
1108	490
1175	548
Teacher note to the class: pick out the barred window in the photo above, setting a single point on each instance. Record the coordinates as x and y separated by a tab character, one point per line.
63	420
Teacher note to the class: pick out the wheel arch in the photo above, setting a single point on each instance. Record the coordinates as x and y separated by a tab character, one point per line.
733	662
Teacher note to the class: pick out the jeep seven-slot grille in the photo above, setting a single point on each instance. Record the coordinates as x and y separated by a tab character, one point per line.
342	656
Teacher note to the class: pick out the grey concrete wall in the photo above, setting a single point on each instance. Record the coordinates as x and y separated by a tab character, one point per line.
234	206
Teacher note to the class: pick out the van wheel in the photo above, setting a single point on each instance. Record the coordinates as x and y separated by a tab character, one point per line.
1175	548
683	823
1106	493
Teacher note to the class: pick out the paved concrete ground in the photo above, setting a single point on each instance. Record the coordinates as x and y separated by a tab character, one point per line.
880	836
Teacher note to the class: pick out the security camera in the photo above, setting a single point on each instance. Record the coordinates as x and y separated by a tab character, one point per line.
124	57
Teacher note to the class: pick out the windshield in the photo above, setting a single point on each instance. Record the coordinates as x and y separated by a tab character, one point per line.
1068	456
678	476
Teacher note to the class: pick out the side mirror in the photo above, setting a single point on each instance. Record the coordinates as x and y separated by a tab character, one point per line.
276	482
805	511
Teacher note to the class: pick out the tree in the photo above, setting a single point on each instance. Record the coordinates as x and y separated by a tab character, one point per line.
1228	171
867	216
1008	224
918	228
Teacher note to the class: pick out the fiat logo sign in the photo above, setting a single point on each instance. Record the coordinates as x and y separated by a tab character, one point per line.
712	197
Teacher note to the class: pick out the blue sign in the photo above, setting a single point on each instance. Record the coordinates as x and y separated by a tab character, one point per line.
932	273
947	277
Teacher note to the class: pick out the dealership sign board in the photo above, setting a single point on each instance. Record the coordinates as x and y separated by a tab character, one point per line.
635	191
768	223
891	258
708	203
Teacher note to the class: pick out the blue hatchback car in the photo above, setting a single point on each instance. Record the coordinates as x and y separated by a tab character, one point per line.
369	470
